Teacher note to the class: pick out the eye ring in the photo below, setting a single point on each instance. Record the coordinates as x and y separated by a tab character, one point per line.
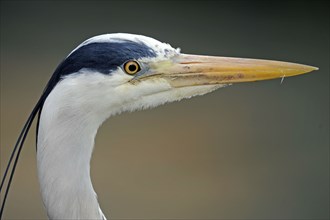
132	67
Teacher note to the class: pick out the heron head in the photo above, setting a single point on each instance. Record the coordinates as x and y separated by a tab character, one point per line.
125	72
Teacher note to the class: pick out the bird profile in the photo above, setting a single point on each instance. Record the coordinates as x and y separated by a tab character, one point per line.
104	76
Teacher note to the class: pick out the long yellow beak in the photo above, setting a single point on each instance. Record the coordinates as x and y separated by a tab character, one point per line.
189	70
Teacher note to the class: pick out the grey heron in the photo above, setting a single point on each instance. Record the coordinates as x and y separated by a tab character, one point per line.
107	75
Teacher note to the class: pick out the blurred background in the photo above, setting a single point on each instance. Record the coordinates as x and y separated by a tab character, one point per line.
248	151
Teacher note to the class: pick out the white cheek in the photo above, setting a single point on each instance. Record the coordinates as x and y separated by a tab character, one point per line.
118	78
131	92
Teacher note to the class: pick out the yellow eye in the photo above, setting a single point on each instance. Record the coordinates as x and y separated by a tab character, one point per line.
131	67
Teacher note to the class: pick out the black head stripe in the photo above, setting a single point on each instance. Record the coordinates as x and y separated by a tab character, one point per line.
104	57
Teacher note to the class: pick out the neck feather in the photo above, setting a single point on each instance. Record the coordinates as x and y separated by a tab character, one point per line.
65	145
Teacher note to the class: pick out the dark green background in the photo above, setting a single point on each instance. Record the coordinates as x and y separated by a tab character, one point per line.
249	151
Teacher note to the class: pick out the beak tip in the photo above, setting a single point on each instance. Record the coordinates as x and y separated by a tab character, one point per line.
311	68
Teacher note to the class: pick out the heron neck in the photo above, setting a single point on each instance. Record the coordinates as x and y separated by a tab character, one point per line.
65	145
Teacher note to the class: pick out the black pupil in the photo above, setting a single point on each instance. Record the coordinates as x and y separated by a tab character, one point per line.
132	67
